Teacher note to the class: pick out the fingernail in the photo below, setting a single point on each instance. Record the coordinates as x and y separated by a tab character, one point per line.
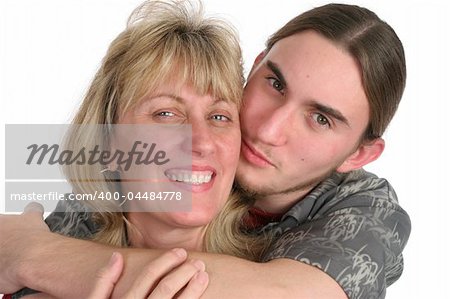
199	265
202	277
113	259
180	252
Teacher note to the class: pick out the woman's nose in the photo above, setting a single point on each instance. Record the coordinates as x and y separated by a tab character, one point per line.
201	141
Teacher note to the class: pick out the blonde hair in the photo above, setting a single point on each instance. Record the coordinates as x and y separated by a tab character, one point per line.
225	233
161	39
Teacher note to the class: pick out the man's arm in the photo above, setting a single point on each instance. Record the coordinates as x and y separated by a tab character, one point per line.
230	277
66	268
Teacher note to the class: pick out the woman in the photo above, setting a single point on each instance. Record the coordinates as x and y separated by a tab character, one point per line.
169	66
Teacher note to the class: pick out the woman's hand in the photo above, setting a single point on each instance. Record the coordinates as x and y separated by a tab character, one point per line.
169	276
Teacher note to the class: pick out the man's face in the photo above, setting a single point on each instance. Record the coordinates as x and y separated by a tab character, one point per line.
304	113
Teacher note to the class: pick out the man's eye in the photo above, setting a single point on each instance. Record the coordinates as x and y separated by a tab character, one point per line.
276	84
321	120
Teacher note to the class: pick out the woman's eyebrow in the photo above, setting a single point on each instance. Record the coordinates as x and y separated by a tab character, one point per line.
181	99
167	95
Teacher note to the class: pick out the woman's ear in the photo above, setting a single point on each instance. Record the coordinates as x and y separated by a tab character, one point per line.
112	148
366	153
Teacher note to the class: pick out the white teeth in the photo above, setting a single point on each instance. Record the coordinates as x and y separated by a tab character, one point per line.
191	177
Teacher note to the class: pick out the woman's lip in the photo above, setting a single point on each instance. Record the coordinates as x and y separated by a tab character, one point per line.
203	168
198	171
254	156
194	188
194	168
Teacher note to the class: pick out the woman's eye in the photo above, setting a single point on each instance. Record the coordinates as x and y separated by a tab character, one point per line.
276	84
321	120
220	117
165	114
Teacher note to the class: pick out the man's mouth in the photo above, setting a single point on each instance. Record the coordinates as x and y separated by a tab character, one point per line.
253	156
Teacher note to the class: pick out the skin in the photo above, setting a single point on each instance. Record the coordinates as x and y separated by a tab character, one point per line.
168	286
168	275
295	143
214	148
304	112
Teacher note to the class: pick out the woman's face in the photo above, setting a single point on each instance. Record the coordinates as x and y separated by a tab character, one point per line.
214	150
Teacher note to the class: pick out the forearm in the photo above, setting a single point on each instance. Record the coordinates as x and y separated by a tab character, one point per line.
236	278
67	268
231	277
61	266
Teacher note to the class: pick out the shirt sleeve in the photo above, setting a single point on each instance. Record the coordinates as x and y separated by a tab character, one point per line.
358	243
72	220
69	219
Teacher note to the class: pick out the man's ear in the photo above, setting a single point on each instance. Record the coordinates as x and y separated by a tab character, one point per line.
258	60
366	153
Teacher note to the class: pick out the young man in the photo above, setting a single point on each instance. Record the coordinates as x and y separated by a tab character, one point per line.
316	104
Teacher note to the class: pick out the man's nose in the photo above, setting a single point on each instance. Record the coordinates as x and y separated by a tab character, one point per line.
274	128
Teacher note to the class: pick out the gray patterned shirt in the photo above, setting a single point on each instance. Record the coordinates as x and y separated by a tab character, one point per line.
350	226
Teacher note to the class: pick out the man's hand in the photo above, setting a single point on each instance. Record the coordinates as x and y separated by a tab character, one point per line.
16	234
169	275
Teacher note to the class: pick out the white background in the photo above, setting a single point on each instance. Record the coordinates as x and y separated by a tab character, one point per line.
49	51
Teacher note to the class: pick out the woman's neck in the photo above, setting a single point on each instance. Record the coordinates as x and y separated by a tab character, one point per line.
150	232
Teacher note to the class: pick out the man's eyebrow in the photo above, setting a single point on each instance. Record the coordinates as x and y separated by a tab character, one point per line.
276	70
336	114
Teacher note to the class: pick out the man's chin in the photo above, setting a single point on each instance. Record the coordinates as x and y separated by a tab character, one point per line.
252	190
261	190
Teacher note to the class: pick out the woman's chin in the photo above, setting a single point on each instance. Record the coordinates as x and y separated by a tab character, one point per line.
193	218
